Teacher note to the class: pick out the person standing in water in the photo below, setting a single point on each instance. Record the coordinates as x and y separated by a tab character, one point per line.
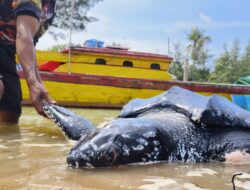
22	22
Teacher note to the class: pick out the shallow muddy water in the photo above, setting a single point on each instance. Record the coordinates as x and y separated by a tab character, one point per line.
32	156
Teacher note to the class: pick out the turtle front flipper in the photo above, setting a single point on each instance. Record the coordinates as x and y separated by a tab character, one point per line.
72	124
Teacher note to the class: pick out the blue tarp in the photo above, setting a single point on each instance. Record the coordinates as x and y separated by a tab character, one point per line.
242	100
94	43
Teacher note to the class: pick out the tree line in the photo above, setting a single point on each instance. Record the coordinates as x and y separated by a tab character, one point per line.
227	67
232	64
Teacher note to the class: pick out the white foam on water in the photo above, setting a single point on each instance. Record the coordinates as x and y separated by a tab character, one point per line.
19	140
201	172
44	145
31	120
42	186
244	185
21	155
41	135
125	187
157	183
3	147
244	176
190	186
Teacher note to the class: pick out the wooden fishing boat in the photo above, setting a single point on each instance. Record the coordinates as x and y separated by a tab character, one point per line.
109	78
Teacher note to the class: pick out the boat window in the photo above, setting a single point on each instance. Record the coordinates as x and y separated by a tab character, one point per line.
100	61
127	64
155	66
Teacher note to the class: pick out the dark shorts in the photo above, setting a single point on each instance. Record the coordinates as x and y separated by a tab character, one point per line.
12	97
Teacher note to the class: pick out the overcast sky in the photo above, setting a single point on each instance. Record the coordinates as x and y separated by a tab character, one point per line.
146	25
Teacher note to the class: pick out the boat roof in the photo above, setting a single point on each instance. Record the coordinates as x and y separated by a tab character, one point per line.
124	52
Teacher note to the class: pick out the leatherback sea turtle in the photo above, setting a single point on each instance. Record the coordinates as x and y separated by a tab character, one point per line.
177	125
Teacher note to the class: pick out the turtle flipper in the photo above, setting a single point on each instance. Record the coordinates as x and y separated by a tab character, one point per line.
72	124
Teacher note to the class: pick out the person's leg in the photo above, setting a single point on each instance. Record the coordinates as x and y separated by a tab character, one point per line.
10	103
10	91
9	117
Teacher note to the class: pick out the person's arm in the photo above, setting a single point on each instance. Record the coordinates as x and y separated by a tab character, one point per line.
27	27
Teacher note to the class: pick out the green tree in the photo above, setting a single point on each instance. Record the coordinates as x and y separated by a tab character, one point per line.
176	66
58	47
229	67
245	62
65	10
198	74
198	54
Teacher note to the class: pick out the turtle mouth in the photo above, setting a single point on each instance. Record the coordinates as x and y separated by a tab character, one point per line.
76	161
115	155
91	159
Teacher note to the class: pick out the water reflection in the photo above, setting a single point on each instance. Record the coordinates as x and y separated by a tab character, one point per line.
33	156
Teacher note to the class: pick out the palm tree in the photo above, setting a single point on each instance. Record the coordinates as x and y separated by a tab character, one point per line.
198	41
198	53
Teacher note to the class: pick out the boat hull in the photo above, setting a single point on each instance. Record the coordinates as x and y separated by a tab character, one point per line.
82	90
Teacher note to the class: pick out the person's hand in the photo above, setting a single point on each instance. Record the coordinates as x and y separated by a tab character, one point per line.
38	94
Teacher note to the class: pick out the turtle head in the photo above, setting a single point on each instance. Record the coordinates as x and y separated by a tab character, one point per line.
72	124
